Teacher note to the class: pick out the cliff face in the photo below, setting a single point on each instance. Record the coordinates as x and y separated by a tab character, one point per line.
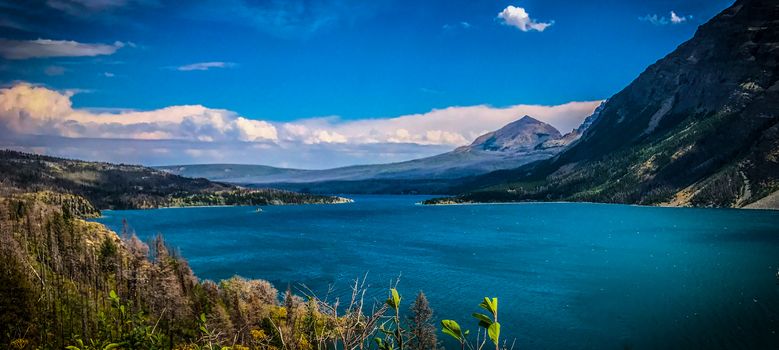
699	127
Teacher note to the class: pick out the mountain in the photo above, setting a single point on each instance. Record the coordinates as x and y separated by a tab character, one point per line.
700	127
520	142
86	187
522	135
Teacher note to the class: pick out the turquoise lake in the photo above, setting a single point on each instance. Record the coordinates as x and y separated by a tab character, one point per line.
568	275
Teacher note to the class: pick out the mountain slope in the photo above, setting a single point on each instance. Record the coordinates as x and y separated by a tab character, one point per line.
520	142
522	135
697	128
120	186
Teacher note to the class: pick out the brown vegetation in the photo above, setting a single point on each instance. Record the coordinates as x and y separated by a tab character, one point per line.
71	283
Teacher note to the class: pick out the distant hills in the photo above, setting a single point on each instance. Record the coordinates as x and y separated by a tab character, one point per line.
521	137
86	187
520	142
698	128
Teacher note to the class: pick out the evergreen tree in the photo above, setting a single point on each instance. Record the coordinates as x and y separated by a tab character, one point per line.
420	321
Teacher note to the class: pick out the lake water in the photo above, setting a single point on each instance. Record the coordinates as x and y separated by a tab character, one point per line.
568	275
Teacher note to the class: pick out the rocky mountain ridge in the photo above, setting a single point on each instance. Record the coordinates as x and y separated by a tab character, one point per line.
523	141
700	127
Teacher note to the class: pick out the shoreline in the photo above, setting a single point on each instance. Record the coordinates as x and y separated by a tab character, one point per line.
346	201
587	202
343	200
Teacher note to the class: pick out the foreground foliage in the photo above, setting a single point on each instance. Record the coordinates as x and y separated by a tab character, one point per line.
69	283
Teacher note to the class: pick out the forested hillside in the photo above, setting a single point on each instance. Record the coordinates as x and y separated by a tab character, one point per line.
120	186
698	128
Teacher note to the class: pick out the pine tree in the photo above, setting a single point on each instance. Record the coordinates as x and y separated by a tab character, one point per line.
420	322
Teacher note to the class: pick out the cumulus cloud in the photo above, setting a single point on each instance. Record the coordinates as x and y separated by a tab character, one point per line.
26	109
658	20
204	66
453	126
29	109
25	49
519	18
676	19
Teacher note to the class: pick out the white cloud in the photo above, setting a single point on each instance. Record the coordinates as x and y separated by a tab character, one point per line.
453	126
109	74
204	66
255	130
519	18
654	19
26	109
324	136
676	19
29	109
658	20
25	49
463	25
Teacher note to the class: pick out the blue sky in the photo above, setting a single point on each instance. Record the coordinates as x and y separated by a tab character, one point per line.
291	61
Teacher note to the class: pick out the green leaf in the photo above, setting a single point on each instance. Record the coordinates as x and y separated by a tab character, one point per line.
203	317
451	328
484	320
381	344
451	334
111	346
494	332
71	347
394	299
485	305
490	305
